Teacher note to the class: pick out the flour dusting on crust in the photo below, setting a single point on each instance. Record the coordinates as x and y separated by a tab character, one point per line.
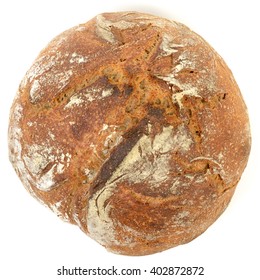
136	168
39	157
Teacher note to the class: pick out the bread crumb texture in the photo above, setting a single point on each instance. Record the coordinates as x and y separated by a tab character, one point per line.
132	127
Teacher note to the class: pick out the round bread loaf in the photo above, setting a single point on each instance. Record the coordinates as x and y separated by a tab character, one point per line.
132	127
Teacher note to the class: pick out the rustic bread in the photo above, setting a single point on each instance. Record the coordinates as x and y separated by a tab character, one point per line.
132	127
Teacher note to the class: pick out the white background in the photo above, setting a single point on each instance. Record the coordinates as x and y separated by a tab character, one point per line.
34	243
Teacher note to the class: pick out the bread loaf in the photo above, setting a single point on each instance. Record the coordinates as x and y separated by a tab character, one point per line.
132	127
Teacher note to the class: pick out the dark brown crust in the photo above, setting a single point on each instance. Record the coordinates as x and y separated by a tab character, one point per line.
132	127
117	155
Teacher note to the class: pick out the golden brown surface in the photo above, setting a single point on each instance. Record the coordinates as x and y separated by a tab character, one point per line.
132	127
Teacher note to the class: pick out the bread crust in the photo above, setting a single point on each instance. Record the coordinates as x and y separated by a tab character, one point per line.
132	127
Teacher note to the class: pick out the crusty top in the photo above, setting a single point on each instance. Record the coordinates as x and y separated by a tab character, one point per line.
133	127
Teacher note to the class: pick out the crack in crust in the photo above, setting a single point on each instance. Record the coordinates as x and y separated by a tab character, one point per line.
117	155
